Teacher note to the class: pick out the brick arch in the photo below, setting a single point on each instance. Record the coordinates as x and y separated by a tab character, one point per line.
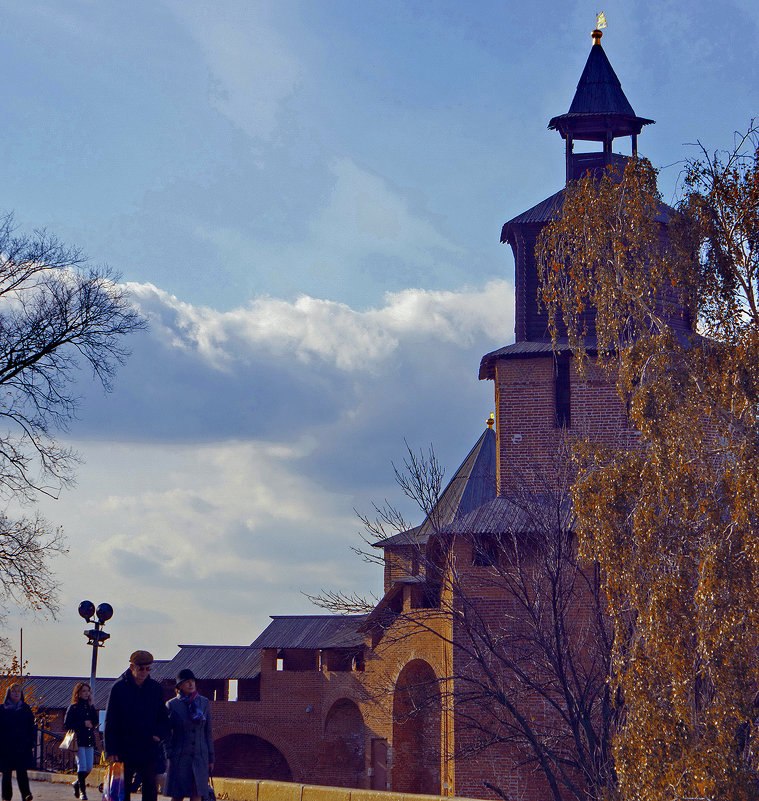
247	756
403	660
222	730
417	721
342	756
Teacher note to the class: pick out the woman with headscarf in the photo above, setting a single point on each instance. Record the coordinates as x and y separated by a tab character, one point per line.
82	719
191	744
17	733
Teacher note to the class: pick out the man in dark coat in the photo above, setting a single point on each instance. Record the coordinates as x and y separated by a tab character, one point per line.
136	721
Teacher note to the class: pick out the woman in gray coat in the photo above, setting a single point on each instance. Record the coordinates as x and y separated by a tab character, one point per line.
191	743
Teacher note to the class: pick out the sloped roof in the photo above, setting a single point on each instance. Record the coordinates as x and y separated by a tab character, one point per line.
511	514
316	632
54	692
599	90
472	484
599	95
541	213
213	662
523	350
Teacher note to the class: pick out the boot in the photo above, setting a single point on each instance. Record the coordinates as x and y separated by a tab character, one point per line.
82	785
75	785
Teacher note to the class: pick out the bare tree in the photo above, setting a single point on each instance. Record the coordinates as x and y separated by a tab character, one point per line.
530	639
57	315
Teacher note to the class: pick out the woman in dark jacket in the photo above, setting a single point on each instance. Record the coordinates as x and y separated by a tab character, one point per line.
191	744
17	734
82	719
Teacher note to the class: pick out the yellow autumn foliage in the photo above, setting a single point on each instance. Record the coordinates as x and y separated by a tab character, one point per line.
674	521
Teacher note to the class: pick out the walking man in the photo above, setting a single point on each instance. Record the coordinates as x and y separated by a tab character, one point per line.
136	721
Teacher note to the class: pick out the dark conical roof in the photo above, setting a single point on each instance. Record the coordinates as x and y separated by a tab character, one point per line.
599	90
472	485
599	105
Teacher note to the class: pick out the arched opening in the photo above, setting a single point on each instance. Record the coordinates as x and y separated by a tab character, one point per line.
342	760
245	756
416	730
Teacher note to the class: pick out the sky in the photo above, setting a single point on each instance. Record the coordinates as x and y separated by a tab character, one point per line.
304	198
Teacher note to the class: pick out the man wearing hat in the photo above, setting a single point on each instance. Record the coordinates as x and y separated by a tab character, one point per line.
136	721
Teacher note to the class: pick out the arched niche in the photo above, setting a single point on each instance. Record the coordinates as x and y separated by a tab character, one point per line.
342	760
416	730
246	756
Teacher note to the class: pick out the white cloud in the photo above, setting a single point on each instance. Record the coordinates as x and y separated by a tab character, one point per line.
312	330
221	475
191	544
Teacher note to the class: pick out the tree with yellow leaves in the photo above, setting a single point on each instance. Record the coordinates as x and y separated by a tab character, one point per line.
674	522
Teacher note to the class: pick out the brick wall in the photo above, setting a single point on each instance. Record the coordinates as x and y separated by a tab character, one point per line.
526	414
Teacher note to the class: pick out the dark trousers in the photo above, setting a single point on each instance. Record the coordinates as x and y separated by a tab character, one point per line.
146	771
22	780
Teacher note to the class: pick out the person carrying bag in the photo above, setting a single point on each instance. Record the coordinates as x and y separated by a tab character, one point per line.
82	721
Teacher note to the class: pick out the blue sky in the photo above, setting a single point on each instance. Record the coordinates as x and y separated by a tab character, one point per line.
305	198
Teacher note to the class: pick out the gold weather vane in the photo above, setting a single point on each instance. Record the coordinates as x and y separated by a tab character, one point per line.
600	20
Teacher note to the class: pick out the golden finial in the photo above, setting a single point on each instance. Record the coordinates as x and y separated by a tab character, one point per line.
491	420
600	23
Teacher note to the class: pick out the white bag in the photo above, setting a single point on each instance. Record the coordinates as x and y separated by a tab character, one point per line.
68	743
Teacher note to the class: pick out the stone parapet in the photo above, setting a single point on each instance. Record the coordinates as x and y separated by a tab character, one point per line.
264	790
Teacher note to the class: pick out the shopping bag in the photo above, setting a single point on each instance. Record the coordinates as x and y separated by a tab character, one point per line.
113	786
69	743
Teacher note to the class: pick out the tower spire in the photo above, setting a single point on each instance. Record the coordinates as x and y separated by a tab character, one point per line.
600	112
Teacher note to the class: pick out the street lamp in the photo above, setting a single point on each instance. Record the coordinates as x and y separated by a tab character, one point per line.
95	637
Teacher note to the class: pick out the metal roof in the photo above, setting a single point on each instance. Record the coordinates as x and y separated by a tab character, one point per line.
317	632
159	666
545	211
599	102
524	350
472	485
54	692
412	536
541	213
531	513
213	662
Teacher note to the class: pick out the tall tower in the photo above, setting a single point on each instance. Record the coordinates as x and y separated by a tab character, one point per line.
601	113
537	388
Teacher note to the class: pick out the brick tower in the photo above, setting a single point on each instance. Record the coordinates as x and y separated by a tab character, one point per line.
537	389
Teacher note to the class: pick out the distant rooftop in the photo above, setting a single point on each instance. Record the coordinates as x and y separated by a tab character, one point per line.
54	692
317	632
213	662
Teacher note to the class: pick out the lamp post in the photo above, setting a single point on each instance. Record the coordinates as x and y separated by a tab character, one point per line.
95	637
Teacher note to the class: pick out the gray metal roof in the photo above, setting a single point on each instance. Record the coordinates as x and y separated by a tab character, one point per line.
524	350
159	665
412	536
473	484
54	692
315	632
540	214
531	513
213	662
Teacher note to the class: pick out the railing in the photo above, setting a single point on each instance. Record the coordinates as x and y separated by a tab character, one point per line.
48	755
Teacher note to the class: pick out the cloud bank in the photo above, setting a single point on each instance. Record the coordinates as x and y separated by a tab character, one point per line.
222	473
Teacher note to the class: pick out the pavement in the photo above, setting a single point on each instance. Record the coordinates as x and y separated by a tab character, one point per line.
53	791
